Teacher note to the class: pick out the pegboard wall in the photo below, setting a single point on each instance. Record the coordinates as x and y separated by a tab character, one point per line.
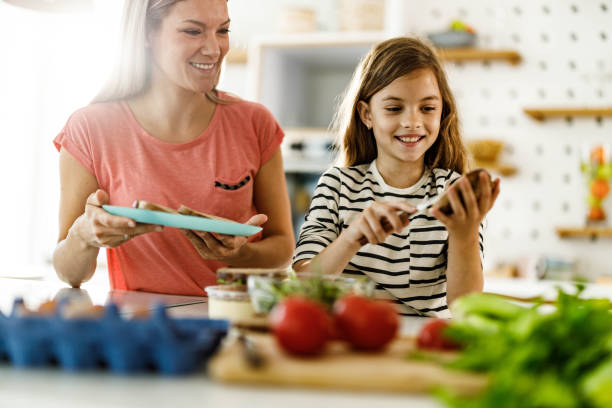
566	49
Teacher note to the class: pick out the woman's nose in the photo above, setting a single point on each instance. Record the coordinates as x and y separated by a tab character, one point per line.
210	47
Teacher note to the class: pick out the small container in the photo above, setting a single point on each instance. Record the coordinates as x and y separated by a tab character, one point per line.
361	15
298	20
452	39
238	276
486	150
231	302
266	291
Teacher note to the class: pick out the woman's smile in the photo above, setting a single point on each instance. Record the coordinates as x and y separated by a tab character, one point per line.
204	68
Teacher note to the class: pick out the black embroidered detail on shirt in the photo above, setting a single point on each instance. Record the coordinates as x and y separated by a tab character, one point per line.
233	187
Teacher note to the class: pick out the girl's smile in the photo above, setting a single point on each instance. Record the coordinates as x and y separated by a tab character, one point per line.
410	140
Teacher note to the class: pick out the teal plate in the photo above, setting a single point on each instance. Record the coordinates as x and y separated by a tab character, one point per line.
183	221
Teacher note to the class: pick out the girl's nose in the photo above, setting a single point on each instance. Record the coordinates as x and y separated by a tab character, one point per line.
411	121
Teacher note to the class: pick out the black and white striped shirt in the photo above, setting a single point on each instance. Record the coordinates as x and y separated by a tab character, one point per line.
410	267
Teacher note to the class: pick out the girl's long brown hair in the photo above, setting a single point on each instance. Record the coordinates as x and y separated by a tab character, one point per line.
387	61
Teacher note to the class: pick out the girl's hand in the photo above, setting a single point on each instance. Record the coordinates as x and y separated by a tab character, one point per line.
221	247
97	228
467	217
369	222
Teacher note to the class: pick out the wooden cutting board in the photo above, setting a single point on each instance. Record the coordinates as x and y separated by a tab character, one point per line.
339	367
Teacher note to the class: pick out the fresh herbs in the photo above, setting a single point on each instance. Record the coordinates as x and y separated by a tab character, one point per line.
237	282
535	357
318	288
267	292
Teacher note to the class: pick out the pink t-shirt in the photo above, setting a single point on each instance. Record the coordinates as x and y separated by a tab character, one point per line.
213	174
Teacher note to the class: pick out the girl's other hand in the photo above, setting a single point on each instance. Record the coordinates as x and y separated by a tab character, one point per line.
369	224
467	216
221	247
97	228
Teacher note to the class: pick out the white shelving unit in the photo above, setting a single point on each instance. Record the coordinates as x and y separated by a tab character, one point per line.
299	77
307	150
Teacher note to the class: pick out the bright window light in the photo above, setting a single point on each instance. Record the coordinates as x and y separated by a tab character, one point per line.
52	64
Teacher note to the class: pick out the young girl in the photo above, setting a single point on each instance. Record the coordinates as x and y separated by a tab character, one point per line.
400	140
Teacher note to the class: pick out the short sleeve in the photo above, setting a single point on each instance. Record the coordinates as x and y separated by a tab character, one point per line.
321	225
269	133
74	137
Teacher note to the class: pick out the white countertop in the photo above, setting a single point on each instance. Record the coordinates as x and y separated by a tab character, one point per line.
52	387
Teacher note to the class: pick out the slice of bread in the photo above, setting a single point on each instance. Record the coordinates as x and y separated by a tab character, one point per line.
145	205
443	204
183	210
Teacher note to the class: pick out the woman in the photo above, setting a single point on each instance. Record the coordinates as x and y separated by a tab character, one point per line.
160	131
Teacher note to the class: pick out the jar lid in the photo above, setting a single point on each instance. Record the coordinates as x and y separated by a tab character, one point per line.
228	292
230	275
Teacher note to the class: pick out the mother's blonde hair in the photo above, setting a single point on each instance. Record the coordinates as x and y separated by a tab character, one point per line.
130	75
387	61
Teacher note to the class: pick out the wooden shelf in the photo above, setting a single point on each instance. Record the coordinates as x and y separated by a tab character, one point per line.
505	170
542	113
473	54
320	39
236	56
364	40
584	232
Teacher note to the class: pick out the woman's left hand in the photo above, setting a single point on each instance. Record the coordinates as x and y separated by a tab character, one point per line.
221	247
466	217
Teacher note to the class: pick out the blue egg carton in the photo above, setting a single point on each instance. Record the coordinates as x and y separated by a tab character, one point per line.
168	345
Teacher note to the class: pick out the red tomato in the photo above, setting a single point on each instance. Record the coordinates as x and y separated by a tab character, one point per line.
301	326
431	336
365	323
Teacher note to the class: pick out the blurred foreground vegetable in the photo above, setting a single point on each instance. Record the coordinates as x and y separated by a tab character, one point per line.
365	323
535	357
301	325
433	336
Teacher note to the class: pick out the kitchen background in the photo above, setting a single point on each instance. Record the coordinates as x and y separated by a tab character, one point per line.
296	57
